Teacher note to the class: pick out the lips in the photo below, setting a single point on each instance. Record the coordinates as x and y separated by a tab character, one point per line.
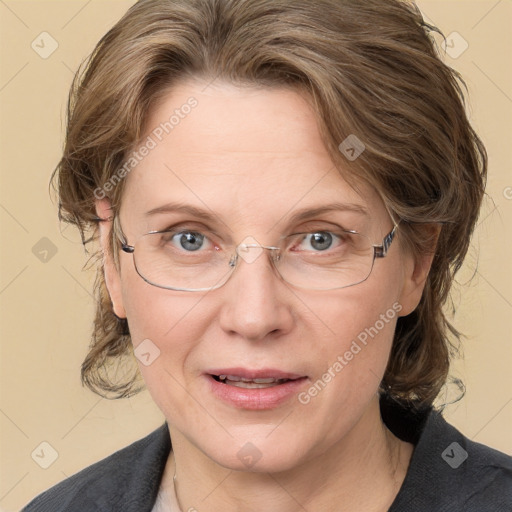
241	382
254	389
242	377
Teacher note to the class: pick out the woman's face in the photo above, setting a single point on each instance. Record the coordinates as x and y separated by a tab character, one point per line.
251	159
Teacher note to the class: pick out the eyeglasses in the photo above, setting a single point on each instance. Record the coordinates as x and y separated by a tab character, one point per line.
190	260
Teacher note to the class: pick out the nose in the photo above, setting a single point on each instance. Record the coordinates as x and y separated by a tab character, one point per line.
256	301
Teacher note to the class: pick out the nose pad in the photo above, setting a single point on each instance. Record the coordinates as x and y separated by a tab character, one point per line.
249	249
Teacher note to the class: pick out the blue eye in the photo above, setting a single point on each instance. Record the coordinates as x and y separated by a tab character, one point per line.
319	241
190	240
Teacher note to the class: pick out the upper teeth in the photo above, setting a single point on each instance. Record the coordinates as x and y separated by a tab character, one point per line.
235	378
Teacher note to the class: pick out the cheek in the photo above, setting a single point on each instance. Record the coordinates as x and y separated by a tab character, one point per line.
154	312
166	325
356	340
171	321
355	311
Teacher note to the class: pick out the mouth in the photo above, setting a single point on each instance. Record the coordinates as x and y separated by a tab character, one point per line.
254	389
256	383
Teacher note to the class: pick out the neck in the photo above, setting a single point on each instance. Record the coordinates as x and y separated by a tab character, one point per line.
363	471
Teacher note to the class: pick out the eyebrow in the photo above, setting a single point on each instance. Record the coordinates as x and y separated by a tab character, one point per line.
299	215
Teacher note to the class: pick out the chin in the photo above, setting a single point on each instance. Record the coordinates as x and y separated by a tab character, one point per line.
259	454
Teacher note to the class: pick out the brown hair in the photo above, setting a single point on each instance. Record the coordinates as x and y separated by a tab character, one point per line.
369	67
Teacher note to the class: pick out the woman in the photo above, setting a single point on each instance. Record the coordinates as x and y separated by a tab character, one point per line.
282	192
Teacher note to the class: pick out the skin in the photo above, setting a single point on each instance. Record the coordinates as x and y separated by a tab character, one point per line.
253	157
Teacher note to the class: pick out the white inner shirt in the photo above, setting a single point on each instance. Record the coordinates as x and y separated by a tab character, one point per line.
166	501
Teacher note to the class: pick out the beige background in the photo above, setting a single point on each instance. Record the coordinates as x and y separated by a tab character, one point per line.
46	308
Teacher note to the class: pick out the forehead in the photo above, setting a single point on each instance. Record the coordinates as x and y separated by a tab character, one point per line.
251	152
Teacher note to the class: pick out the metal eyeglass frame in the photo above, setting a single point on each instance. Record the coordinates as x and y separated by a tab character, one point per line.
379	251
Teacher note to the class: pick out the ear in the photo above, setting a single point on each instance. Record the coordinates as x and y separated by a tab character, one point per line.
112	277
416	271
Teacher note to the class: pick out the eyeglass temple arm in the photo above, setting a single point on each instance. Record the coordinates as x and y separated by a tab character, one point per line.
118	233
382	250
